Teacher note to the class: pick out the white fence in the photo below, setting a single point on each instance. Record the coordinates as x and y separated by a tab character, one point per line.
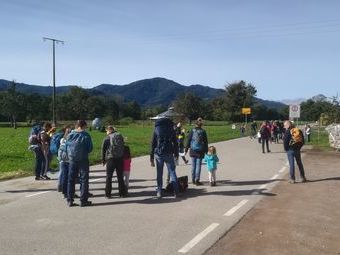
334	135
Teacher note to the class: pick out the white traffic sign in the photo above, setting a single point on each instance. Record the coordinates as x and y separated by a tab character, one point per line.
294	111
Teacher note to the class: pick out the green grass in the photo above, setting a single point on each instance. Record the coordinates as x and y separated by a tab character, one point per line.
16	160
320	140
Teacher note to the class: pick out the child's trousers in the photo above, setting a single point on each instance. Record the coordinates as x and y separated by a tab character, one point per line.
212	176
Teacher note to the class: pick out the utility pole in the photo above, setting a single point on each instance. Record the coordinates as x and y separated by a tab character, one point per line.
54	41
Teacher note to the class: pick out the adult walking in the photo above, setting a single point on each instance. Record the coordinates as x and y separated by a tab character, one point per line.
112	156
265	136
164	149
198	145
78	146
293	142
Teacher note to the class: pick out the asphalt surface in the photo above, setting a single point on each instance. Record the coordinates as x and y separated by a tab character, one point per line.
34	218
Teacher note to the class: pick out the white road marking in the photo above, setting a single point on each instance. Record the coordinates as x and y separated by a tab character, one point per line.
198	238
283	169
274	177
263	186
39	193
95	180
235	208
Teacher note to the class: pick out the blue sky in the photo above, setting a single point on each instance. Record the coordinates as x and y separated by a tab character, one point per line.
287	49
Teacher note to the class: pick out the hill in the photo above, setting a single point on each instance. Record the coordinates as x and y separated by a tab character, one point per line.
147	92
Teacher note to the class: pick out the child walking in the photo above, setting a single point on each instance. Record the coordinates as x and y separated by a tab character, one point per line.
126	166
211	159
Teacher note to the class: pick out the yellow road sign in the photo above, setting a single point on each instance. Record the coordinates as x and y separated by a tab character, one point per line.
246	110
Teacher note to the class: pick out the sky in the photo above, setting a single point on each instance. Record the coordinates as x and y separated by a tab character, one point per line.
286	49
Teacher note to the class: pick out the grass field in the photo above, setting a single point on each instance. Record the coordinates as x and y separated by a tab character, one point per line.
16	160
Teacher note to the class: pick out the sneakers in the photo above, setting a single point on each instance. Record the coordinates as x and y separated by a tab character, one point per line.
45	177
85	203
71	204
291	181
186	162
198	183
159	194
38	178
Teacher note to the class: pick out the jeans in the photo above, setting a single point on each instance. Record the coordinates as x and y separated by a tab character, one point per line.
170	164
111	166
39	162
63	177
196	168
75	168
297	155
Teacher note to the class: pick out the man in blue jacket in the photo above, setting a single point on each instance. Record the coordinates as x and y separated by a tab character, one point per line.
164	149
293	151
78	146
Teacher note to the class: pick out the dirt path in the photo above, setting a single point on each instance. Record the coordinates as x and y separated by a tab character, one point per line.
301	219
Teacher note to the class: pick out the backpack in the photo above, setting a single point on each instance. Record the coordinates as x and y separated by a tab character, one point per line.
55	142
62	152
116	148
164	141
197	143
76	146
182	183
34	137
297	137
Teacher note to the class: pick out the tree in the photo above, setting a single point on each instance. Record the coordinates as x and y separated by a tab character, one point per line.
239	95
13	104
189	105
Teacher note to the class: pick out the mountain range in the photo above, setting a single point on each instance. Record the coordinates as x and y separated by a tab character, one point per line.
147	92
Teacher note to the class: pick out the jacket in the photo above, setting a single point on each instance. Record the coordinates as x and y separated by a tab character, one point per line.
211	161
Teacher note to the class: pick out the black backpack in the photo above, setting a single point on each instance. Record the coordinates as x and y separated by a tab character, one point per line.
182	183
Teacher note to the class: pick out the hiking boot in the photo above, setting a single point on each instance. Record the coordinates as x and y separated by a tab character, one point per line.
193	182
90	194
214	183
38	178
198	183
186	162
159	194
59	188
85	203
268	151
211	184
108	196
76	195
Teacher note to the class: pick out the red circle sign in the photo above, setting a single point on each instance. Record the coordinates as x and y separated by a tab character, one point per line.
295	108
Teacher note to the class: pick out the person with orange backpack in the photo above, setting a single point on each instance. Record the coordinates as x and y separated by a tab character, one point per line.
293	142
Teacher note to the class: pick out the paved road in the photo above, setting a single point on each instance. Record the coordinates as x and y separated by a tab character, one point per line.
34	219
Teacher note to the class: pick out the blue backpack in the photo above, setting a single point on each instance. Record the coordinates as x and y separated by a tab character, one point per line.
164	140
197	141
77	146
55	142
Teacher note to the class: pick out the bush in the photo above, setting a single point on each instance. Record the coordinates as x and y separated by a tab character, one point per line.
126	121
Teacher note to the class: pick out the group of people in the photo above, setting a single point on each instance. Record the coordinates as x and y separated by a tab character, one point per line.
73	148
167	144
